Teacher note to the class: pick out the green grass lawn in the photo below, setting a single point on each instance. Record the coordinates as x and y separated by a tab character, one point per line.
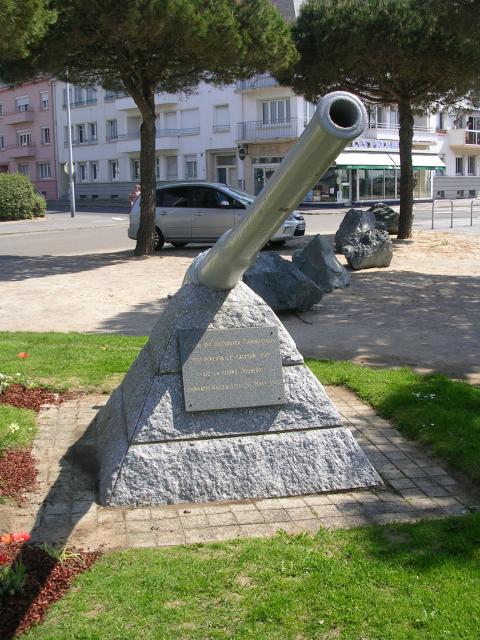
403	582
17	427
92	362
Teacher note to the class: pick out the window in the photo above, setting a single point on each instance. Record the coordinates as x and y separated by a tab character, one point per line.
45	132
91	95
459	165
460	193
23	104
471	165
135	169
80	133
2	142
82	172
175	197
43	100
393	120
274	111
440	120
172	168
157	168
1	110
24	138
114	175
221	118
24	169
190	167
190	122
308	111
94	171
472	193
112	131
441	194
91	131
78	95
65	96
44	170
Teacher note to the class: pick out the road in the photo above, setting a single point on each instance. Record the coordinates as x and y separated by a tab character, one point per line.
102	230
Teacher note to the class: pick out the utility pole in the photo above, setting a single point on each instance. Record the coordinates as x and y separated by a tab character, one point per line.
70	154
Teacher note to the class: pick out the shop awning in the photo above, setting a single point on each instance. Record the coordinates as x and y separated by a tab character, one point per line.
364	160
391	160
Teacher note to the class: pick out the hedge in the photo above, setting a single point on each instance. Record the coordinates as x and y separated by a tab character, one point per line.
18	198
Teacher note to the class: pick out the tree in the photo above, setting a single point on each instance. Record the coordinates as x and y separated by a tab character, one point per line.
150	46
22	24
421	56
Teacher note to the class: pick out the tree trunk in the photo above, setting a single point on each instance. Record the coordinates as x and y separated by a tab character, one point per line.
146	232
406	170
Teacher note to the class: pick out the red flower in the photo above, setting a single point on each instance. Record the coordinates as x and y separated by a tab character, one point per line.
4	559
7	538
21	536
22	355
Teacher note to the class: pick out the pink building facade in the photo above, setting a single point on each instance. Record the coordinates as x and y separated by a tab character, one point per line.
27	133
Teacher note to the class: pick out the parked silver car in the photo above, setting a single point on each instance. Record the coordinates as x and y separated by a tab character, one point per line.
201	212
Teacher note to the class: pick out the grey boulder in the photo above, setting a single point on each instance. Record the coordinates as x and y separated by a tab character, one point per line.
386	218
355	221
318	261
373	248
281	284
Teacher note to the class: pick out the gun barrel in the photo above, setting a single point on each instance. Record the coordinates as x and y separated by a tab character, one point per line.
339	118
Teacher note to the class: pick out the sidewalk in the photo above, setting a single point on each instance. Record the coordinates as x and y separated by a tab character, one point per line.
64	508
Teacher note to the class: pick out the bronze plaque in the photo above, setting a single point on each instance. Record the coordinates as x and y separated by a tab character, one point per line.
231	368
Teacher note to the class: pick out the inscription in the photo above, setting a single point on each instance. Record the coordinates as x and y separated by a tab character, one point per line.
231	368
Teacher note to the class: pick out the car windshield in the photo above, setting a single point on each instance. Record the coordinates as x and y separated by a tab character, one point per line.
244	197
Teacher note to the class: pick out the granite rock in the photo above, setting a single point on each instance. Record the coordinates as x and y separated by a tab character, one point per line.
354	222
260	466
318	262
281	284
152	451
386	218
368	249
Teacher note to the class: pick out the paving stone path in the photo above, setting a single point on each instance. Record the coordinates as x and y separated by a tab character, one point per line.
64	507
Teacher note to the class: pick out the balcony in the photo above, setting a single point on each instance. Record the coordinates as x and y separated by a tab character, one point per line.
21	151
110	96
81	143
164	139
270	131
389	131
260	81
80	103
466	138
22	114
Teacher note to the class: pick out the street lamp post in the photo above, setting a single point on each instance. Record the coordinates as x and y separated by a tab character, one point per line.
70	154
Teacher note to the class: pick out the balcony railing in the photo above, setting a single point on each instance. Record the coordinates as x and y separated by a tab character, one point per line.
472	136
80	143
260	81
160	133
395	127
286	129
80	103
113	95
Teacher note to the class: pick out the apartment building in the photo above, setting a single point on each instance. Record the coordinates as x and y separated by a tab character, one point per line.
27	133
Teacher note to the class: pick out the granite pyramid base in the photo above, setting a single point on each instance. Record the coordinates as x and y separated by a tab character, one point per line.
152	451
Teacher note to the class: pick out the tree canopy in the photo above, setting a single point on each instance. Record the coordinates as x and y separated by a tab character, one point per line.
150	46
418	55
22	24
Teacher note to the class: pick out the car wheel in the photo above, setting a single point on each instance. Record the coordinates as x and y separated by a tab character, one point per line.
159	239
179	244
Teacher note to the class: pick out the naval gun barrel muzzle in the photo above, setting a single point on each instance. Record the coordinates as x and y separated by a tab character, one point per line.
339	118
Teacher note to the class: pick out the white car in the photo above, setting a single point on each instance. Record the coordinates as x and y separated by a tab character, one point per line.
201	212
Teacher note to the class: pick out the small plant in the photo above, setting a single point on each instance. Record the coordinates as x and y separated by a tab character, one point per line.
59	552
12	578
18	198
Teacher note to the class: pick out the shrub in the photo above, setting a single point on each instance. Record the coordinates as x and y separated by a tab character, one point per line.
18	198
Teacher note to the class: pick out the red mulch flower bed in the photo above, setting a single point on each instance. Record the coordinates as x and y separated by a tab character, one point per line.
19	396
47	581
18	473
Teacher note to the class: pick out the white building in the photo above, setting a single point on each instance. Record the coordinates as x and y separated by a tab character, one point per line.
239	134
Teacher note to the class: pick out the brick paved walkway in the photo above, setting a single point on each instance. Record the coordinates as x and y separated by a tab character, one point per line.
64	507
